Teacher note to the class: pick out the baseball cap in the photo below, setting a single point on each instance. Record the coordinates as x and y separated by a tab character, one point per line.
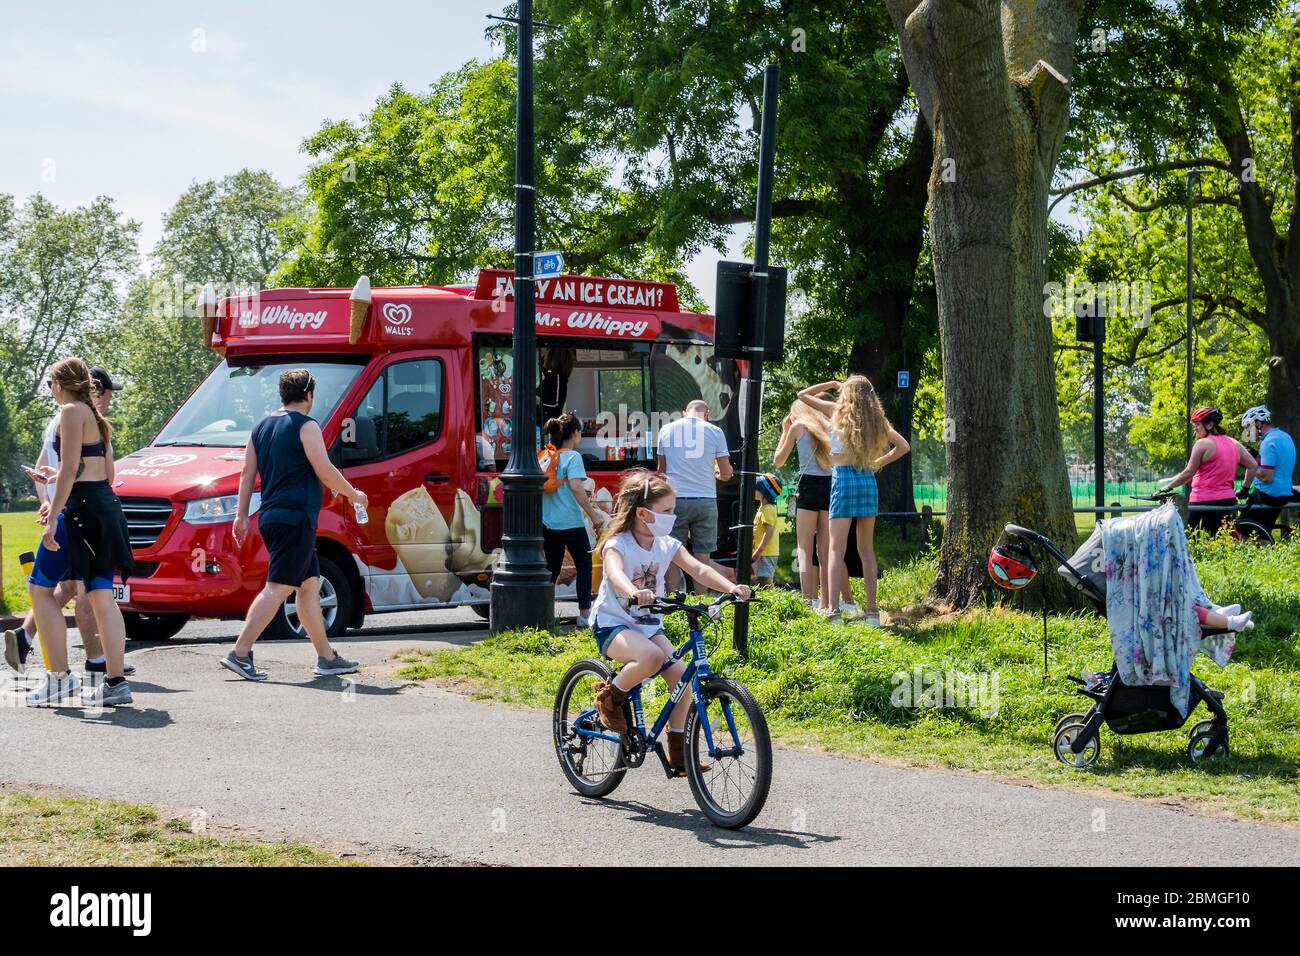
105	381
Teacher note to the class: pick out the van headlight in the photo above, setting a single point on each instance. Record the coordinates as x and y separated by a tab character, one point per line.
218	510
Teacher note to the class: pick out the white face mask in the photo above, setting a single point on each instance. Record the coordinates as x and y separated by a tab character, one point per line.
661	524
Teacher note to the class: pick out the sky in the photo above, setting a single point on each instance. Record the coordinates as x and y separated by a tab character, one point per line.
138	101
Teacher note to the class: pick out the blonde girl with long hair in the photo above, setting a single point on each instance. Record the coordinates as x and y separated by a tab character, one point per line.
637	549
85	538
806	430
862	442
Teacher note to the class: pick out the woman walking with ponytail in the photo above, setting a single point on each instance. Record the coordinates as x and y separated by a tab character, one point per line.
85	538
862	442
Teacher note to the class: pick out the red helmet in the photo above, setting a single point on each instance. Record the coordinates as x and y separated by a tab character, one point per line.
1011	566
1207	413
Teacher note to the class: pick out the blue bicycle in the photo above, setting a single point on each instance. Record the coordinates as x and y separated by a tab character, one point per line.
724	726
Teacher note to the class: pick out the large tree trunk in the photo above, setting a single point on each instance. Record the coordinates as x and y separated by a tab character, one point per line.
998	116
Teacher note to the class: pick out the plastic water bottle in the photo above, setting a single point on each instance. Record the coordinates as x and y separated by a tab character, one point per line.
360	512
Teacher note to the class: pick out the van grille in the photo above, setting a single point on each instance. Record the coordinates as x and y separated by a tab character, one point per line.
145	519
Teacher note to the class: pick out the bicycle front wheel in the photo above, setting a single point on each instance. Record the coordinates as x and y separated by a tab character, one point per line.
734	788
594	765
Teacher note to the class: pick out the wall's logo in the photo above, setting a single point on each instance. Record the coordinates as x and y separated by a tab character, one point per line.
398	317
397	313
166	461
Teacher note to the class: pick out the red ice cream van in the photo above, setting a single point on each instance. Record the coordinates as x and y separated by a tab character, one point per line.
414	395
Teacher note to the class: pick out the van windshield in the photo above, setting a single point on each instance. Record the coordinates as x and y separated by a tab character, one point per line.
232	399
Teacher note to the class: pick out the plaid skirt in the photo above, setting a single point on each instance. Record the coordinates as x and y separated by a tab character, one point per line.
853	493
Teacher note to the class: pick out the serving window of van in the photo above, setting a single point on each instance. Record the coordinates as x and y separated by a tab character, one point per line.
401	411
622	391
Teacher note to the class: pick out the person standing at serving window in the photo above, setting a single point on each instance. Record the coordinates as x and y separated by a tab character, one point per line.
287	449
563	509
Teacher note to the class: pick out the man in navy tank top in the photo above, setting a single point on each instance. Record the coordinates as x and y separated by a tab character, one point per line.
287	449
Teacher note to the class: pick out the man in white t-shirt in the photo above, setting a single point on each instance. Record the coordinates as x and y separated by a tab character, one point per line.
693	457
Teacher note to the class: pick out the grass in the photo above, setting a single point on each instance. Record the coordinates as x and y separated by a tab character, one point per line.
47	831
19	532
846	687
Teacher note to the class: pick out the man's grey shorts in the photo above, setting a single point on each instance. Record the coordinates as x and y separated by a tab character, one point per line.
697	519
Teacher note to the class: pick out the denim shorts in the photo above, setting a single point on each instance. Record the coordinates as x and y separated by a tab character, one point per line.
766	566
604	635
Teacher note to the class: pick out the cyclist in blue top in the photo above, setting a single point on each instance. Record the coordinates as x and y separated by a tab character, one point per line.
1274	485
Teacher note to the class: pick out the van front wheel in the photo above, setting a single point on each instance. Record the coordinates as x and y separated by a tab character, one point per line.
335	605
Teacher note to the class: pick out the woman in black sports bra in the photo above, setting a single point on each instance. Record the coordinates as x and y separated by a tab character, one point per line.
86	538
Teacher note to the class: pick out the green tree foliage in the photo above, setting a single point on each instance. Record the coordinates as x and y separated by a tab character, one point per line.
224	232
422	191
60	272
1161	87
11	475
673	91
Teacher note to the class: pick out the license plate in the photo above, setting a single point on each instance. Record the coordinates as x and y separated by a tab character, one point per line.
122	593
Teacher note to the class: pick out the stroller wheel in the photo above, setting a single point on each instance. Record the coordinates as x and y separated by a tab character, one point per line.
1066	736
1200	727
1068	719
1206	746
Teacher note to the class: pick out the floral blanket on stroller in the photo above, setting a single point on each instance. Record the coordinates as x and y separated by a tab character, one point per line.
1151	590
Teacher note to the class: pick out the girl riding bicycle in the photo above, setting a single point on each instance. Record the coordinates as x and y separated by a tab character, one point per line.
637	549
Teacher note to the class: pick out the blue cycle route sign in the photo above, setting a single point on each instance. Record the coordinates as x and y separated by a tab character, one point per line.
547	264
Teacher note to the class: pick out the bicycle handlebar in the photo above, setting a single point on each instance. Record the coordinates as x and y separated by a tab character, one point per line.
666	606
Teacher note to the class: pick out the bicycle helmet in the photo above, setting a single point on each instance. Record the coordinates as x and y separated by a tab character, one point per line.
769	486
1207	415
1259	413
1011	566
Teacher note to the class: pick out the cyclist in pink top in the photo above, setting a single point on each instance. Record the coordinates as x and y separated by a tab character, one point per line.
1212	469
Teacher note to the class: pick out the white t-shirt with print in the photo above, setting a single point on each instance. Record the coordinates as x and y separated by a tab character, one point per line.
645	569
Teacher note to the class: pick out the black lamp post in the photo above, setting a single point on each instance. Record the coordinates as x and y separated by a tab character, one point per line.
753	383
522	592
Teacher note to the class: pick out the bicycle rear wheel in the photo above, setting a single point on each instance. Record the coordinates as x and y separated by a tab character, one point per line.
734	788
594	766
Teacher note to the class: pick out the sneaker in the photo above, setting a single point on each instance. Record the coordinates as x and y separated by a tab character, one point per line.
828	612
849	611
581	623
102	668
108	696
871	619
56	691
15	651
340	665
243	666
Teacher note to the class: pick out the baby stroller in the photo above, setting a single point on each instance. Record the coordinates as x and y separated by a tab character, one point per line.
1076	740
